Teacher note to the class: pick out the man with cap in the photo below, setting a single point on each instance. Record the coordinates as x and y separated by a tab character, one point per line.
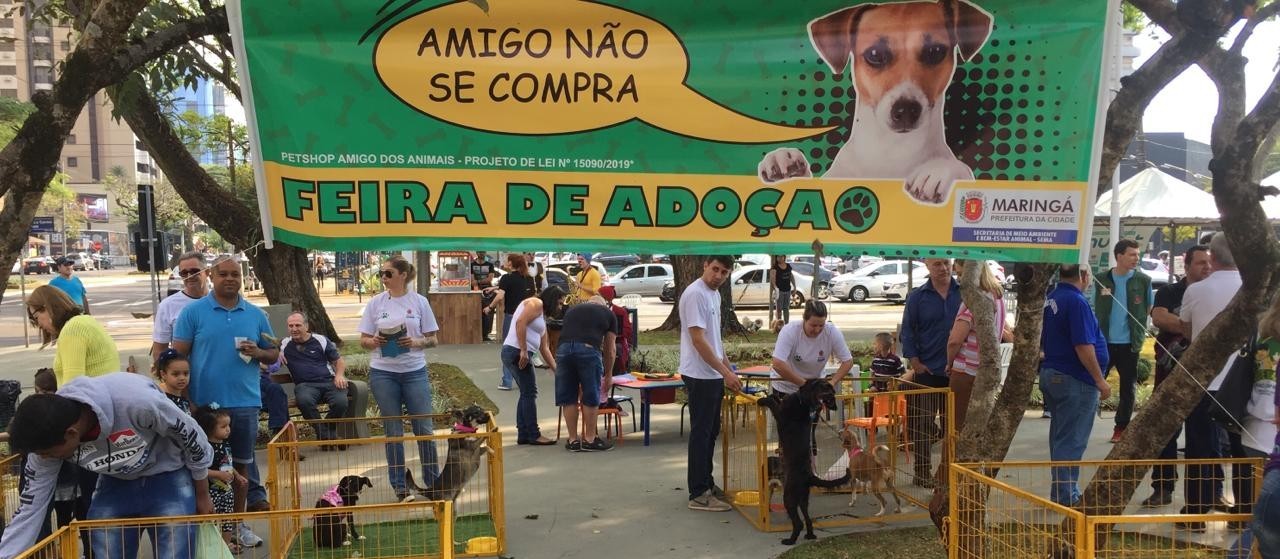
588	278
69	284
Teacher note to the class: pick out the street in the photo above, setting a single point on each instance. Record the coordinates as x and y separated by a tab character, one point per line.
115	295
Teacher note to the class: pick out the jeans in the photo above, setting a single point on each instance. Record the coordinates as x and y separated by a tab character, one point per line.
1266	516
275	401
578	365
1074	404
1165	478
167	494
1125	361
705	397
310	394
527	406
784	306
1203	483
486	323
921	412
506	327
399	394
244	435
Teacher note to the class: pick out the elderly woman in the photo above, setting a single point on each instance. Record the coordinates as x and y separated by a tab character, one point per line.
397	326
962	344
83	346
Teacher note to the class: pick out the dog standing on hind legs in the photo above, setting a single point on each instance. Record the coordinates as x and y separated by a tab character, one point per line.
793	415
870	468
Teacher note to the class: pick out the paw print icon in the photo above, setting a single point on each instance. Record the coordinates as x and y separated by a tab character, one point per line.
857	210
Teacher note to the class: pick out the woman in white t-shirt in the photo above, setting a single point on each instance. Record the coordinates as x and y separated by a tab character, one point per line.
396	327
804	348
527	337
962	344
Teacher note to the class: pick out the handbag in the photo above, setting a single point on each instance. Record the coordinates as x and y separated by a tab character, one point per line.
1233	395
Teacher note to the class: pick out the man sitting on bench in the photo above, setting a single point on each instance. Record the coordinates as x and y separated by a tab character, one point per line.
317	371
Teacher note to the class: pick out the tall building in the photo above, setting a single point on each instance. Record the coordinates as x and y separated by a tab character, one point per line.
97	147
207	99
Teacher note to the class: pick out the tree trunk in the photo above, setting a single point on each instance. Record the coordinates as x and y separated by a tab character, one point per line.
284	271
102	57
729	323
687	269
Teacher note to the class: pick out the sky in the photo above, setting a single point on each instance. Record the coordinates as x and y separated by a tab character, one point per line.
1189	103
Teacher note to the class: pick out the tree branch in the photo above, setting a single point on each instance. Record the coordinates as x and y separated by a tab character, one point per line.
154	46
222	75
1160	12
1262	14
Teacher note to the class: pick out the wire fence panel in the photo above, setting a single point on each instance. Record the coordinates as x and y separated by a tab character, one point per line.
467	471
898	446
1005	510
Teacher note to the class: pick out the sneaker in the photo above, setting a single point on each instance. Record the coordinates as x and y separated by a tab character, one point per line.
1046	415
597	445
1158	499
503	387
248	538
573	446
1115	435
710	503
1222	504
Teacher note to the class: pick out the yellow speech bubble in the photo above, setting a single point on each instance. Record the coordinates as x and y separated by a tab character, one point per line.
555	67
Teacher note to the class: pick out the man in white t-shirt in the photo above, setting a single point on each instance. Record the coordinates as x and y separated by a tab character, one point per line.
1201	303
194	286
706	373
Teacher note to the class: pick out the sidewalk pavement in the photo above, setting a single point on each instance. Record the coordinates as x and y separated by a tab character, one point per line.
628	502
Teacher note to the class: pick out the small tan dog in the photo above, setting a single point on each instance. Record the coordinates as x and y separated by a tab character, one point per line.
777	325
870	468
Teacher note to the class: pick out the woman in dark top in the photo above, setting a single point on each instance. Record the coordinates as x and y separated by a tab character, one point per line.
780	280
513	288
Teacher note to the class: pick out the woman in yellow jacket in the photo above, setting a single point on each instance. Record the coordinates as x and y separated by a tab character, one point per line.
83	345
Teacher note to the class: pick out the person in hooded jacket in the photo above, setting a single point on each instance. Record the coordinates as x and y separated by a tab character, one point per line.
152	460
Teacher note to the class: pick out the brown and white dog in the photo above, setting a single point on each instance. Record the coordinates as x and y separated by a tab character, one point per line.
903	55
869	468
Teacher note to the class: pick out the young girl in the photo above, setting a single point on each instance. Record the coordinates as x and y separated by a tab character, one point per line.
174	373
225	485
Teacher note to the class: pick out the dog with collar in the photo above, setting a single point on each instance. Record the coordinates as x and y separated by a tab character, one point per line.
870	469
463	460
903	56
793	414
337	529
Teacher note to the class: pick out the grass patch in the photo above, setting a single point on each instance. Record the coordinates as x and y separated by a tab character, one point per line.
917	543
455	389
672	337
404	538
923	543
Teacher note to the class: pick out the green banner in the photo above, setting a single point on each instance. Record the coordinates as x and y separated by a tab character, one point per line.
949	128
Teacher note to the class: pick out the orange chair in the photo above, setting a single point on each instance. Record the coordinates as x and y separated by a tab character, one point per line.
889	411
612	423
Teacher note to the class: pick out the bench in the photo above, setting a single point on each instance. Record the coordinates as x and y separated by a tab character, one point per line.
357	404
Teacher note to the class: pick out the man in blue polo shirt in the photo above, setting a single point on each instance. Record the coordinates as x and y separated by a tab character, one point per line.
1071	376
926	323
318	375
223	336
69	284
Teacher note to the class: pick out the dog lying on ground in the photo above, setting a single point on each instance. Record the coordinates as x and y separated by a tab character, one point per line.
793	415
337	529
463	460
870	468
903	55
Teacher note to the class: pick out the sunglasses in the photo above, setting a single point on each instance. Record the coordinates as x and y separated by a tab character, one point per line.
388	274
184	274
31	313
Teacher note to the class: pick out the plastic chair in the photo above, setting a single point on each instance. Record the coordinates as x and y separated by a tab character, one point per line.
889	411
612	423
630	300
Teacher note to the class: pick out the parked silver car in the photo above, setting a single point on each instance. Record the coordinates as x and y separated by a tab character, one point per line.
872	281
642	279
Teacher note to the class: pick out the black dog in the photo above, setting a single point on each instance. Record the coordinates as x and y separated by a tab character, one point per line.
332	529
463	460
794	417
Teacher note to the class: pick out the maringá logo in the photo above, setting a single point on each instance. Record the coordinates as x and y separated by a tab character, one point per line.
972	206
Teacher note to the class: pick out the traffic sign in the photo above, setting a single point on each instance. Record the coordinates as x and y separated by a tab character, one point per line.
41	224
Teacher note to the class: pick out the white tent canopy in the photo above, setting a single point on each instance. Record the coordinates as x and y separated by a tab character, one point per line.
1153	197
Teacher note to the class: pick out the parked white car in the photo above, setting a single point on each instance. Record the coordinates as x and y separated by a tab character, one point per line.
642	279
1156	270
874	280
898	291
750	287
